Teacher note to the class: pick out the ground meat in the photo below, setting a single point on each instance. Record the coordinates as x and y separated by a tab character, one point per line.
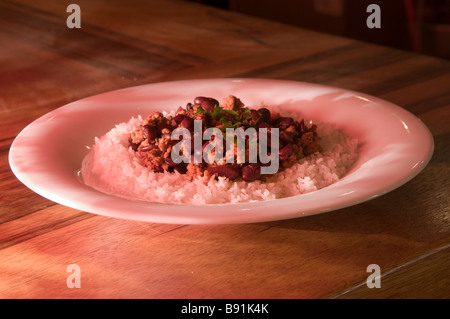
231	103
164	144
194	170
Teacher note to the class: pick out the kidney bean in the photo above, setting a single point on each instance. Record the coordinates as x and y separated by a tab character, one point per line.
134	146
158	169
179	118
284	122
150	132
260	116
254	116
301	127
230	171
170	162
286	137
264	114
206	103
285	152
147	148
188	123
251	172
179	110
180	169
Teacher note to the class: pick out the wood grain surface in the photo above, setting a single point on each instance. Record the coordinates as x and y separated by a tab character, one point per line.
45	65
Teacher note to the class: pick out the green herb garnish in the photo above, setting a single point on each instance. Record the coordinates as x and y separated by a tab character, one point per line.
228	118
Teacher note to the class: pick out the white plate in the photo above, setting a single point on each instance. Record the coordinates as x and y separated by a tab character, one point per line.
46	155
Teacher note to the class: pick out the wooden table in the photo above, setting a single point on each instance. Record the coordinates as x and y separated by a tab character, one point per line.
44	65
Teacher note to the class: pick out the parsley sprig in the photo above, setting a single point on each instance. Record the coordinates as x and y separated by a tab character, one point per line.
229	118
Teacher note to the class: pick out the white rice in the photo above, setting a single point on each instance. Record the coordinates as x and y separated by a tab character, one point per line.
112	167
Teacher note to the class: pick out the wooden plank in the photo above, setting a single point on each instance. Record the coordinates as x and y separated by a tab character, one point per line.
413	280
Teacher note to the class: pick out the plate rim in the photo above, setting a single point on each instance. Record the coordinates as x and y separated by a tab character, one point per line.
239	218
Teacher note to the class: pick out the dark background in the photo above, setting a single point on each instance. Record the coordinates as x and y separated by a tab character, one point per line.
421	26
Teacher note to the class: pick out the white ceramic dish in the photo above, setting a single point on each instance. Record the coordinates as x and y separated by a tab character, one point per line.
395	147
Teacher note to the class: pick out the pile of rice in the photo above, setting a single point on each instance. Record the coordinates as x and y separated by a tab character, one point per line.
112	167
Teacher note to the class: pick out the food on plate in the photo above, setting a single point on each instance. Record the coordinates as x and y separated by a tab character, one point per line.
212	152
154	142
